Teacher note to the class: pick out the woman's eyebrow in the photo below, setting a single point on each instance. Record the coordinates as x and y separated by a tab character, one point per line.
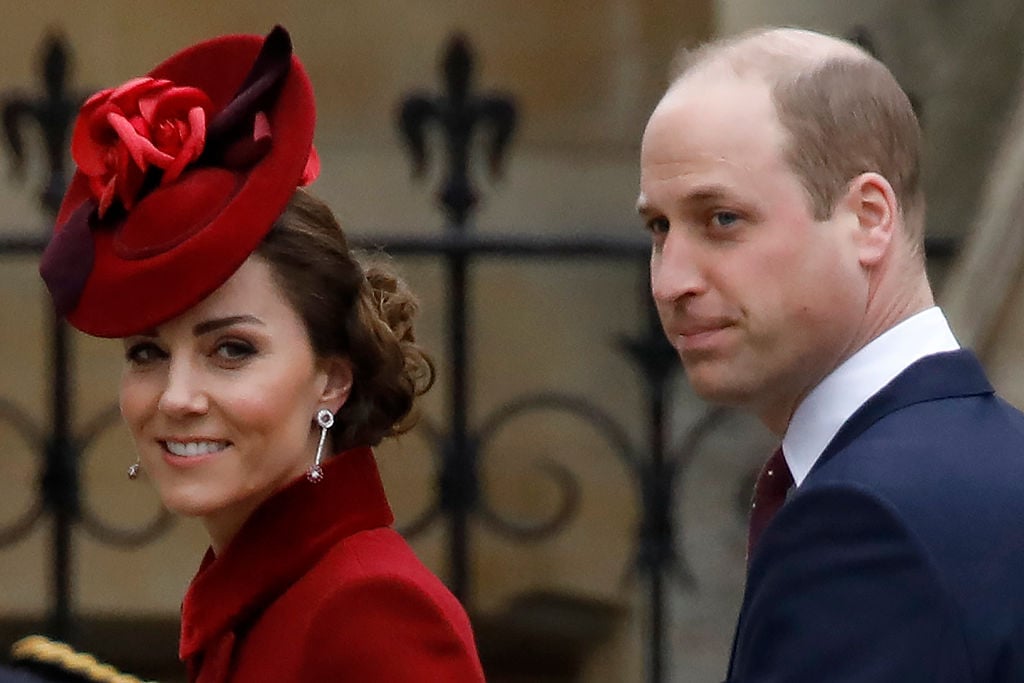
210	325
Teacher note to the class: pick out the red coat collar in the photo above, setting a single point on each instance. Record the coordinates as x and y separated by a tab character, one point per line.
284	537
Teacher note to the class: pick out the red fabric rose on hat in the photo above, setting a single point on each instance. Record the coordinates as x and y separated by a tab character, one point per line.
121	133
173	189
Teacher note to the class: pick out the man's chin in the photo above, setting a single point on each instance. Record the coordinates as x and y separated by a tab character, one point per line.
717	389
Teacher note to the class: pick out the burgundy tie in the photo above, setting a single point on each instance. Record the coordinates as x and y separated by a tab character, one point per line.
773	483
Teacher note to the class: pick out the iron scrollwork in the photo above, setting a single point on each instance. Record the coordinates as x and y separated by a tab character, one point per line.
457	113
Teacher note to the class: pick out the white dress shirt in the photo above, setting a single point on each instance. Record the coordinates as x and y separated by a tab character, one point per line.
830	404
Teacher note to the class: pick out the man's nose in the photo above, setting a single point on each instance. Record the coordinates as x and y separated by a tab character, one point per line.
676	270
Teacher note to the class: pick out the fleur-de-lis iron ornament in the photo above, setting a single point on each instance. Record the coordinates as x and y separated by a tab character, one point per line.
53	112
458	113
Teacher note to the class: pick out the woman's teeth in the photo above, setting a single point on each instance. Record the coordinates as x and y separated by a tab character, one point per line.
192	448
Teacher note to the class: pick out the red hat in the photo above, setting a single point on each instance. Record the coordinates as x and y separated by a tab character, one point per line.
180	176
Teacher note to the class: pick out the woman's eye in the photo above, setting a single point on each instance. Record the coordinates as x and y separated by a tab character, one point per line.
143	353
234	350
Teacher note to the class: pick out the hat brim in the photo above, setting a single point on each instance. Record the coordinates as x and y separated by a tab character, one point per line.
202	227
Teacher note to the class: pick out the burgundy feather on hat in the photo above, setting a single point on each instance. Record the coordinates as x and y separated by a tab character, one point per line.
180	176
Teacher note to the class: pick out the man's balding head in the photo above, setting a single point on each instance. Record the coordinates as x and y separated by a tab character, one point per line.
842	109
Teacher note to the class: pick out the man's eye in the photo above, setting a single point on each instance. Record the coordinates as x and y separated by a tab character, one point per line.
724	219
658	226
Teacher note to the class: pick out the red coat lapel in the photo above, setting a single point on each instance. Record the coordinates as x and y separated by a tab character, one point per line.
285	536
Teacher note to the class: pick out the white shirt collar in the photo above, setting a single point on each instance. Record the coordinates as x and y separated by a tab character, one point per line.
830	404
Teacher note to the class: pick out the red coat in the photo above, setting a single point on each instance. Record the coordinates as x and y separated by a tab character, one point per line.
317	587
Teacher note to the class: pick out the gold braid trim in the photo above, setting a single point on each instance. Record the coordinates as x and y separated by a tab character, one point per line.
46	651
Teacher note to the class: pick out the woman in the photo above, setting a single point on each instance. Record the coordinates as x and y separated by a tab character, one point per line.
256	347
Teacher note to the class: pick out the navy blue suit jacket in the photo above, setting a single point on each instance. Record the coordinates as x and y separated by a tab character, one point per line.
901	556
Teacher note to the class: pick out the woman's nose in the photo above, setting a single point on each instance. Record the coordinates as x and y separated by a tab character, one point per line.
183	392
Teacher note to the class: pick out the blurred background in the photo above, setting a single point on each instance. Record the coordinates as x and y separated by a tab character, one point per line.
586	508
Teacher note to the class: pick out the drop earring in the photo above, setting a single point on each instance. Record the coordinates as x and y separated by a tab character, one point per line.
325	419
134	469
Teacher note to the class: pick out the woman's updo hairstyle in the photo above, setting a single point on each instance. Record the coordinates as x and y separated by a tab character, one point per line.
352	306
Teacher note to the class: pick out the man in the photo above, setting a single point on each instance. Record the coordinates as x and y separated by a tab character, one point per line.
780	182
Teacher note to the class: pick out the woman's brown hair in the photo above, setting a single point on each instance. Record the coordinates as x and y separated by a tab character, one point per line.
356	306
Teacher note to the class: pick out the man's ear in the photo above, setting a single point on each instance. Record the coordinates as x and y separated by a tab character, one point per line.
872	201
337	371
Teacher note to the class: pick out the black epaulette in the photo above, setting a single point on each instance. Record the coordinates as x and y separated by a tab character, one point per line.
58	662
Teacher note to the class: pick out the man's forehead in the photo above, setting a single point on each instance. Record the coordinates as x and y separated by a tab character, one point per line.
701	111
712	81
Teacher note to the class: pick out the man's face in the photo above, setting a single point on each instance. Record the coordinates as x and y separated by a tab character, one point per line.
760	300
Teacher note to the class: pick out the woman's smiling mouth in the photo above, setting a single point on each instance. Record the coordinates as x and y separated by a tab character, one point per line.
187	449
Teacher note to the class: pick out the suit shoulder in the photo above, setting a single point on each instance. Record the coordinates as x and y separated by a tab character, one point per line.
955	451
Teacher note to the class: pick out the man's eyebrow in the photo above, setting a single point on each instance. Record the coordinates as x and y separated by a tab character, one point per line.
208	326
700	194
707	193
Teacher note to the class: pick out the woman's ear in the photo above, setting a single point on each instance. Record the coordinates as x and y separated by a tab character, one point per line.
871	199
337	371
